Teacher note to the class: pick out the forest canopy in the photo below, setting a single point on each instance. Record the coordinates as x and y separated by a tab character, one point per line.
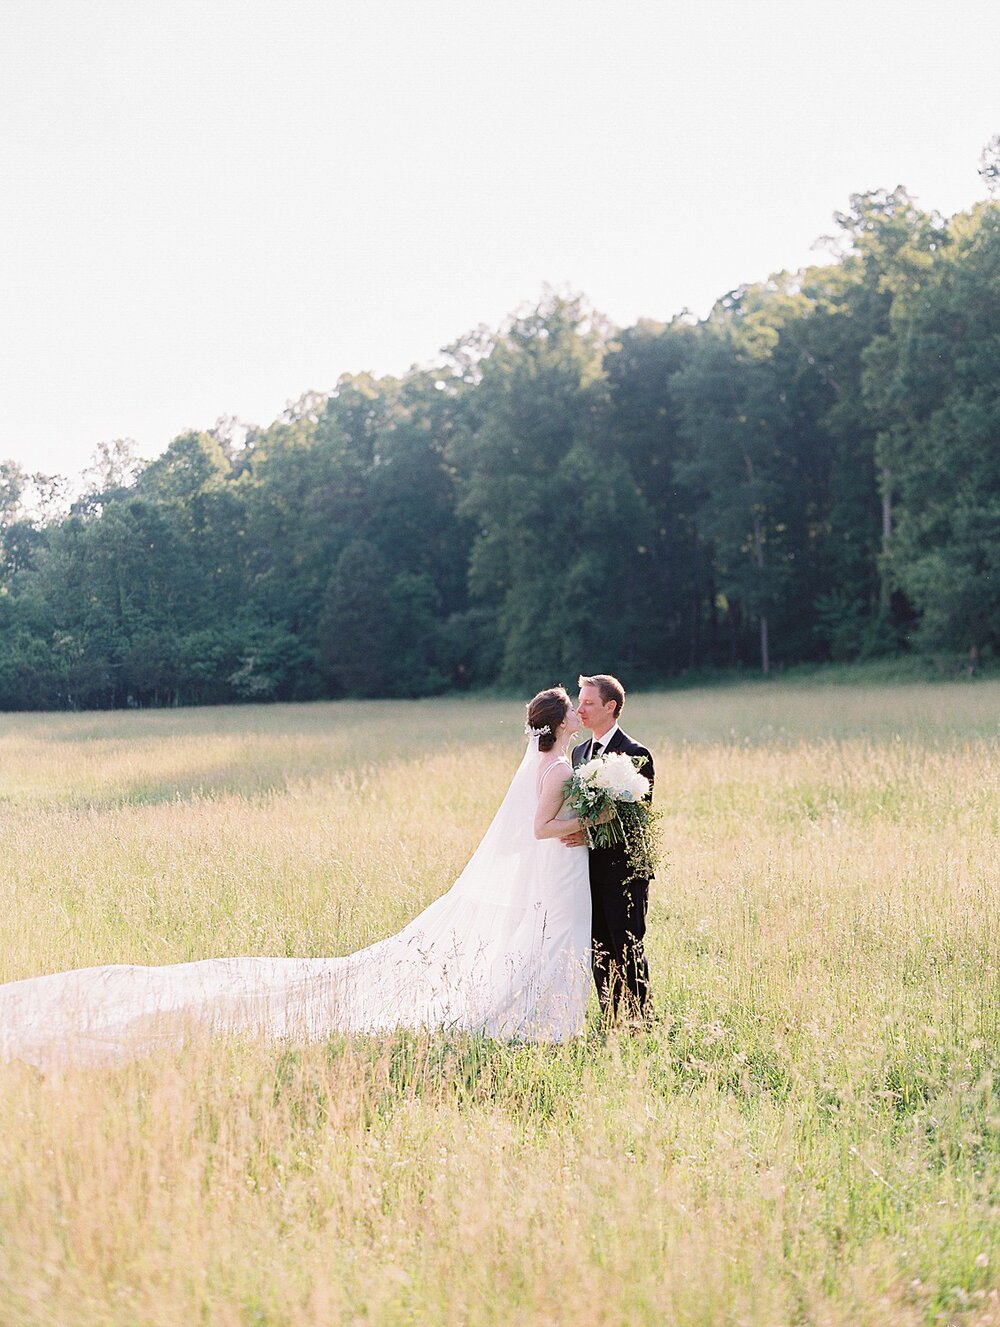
810	473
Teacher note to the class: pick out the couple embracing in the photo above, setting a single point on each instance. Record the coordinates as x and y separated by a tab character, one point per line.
509	951
618	898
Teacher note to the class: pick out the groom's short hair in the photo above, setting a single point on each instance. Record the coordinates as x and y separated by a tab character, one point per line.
609	687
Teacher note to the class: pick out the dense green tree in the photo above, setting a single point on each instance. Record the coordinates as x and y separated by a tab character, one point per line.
892	247
18	536
752	468
371	466
671	569
559	519
192	464
941	369
355	631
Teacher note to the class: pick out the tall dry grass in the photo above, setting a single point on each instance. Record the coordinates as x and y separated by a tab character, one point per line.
811	1135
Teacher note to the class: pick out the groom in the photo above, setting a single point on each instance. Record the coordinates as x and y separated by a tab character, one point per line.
619	903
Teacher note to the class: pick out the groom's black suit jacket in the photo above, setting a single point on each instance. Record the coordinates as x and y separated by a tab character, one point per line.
609	866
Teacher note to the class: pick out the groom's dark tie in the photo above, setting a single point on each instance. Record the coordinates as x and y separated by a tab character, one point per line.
596	749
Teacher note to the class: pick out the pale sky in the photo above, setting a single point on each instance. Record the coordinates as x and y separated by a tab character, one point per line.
209	207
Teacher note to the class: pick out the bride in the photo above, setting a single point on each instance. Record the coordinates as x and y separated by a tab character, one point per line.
504	953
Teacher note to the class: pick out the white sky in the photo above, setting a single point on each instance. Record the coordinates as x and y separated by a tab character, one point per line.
208	207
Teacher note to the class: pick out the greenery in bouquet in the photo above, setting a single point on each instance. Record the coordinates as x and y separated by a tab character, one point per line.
610	794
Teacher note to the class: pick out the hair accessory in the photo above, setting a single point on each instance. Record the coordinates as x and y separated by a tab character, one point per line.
535	732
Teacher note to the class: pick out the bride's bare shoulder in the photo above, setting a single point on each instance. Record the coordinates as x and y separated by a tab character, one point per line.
556	762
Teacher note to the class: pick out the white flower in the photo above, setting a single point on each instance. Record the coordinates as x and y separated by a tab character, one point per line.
617	775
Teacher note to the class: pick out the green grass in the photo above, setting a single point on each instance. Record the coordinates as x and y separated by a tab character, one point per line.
811	1135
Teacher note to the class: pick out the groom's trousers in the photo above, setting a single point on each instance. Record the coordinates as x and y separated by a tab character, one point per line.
621	972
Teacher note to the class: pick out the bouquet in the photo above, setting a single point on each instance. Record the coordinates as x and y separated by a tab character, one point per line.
614	783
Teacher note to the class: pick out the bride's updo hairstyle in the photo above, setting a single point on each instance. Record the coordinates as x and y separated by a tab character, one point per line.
546	711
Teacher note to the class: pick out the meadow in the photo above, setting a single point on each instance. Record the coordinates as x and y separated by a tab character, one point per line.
811	1134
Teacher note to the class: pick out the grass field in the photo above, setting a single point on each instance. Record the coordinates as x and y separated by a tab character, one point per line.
812	1135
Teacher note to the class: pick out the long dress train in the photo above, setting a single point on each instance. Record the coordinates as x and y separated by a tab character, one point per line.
505	952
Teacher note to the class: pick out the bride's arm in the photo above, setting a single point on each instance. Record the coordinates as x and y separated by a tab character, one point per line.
550	801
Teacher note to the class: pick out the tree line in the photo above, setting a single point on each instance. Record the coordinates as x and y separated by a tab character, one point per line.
812	472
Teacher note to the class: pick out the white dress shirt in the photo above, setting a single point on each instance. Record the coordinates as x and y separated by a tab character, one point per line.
604	740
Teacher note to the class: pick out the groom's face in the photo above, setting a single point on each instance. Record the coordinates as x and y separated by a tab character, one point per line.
596	714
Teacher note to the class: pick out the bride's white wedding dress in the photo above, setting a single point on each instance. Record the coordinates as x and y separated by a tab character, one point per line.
505	952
